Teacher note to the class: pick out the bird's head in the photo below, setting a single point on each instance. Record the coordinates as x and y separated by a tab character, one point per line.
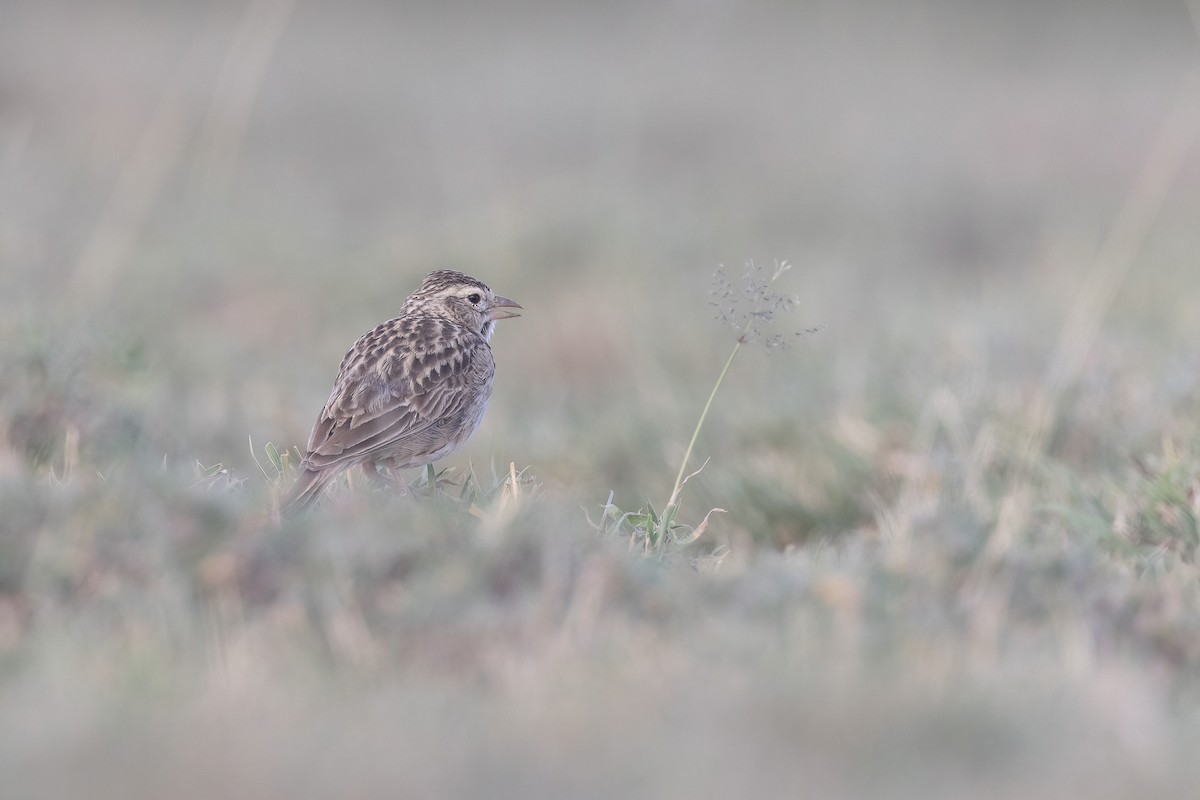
462	299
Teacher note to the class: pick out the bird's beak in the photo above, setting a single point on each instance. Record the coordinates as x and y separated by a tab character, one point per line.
500	306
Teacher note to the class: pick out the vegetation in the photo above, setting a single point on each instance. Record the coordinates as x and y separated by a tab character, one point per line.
958	553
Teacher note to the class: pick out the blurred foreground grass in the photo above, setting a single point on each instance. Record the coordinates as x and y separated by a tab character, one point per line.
959	553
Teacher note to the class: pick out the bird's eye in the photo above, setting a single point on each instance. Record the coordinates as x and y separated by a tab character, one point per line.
474	298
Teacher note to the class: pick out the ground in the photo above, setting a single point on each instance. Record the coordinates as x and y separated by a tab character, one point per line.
957	553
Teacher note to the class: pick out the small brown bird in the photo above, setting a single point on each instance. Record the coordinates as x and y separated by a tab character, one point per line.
410	391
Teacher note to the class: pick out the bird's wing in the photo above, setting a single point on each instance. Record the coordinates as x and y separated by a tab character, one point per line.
394	384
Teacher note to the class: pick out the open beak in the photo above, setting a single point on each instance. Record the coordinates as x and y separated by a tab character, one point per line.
500	306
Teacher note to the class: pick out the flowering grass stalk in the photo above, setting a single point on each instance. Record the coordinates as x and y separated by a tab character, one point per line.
749	324
747	309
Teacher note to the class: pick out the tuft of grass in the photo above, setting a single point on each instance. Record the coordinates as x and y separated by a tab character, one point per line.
461	490
1150	515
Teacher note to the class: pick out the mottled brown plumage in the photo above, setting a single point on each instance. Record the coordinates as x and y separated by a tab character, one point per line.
410	391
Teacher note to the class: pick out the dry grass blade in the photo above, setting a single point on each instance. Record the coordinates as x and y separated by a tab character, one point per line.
238	85
1112	266
155	153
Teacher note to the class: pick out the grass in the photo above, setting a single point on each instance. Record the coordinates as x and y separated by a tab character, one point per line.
958	553
647	527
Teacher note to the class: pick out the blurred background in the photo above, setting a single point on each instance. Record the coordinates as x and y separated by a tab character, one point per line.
202	205
230	193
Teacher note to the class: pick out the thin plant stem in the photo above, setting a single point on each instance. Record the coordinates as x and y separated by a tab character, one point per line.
700	424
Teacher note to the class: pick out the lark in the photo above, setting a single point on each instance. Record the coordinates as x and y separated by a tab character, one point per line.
409	392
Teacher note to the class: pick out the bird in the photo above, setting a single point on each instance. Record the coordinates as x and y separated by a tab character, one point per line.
410	391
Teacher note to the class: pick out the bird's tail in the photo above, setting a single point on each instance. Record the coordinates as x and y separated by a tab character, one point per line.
308	487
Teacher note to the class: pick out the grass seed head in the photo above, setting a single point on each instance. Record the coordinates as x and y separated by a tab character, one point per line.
750	307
